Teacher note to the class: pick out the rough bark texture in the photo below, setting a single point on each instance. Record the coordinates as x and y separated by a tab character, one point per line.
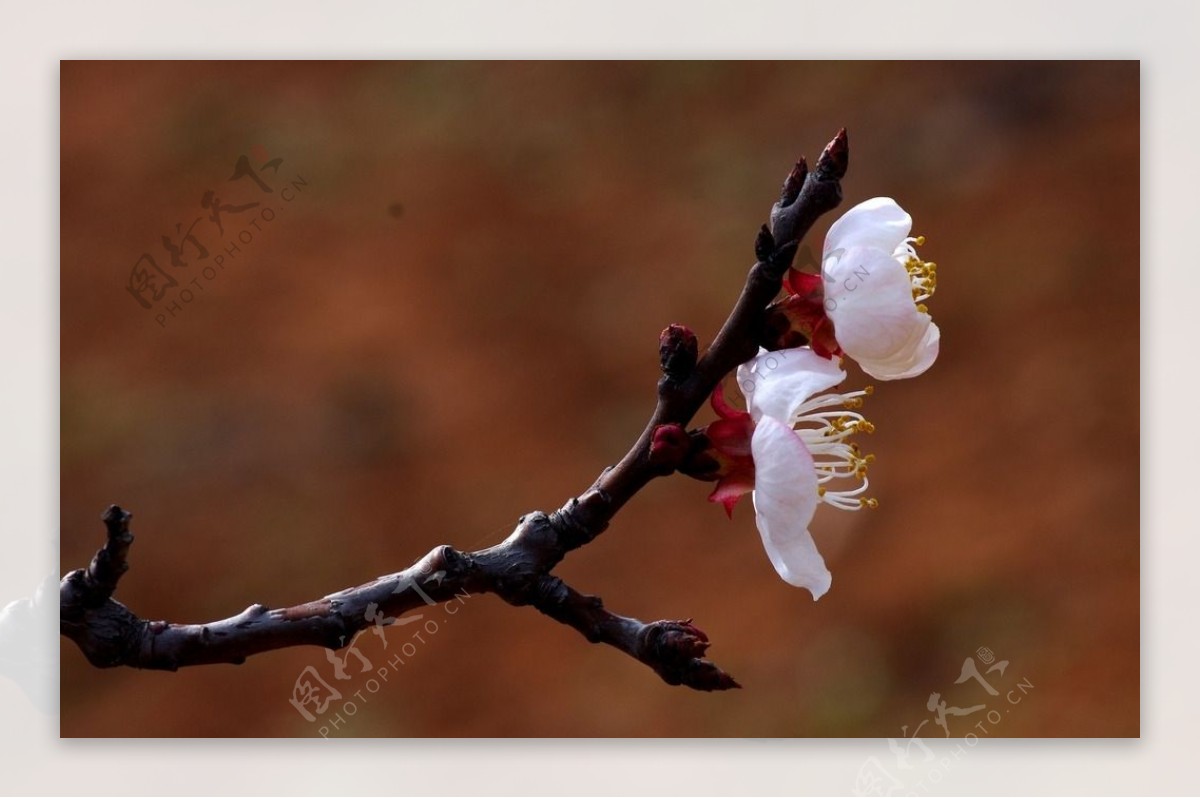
518	569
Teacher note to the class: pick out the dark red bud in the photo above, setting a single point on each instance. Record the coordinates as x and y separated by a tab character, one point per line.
675	649
677	351
793	183
764	245
669	445
116	519
836	157
672	640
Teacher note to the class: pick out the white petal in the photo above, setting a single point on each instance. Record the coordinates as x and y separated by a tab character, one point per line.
776	383
785	498
878	223
916	363
873	314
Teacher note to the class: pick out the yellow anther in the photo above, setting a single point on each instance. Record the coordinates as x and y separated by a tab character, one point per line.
820	491
922	309
854	402
870	389
866	426
919	241
869	503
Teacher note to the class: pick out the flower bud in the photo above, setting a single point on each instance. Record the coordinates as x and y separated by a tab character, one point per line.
669	445
793	183
677	351
835	158
764	245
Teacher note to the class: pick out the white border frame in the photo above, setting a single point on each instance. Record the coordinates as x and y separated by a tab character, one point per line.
36	36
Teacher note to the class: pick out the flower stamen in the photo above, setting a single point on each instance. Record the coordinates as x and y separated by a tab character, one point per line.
922	273
825	431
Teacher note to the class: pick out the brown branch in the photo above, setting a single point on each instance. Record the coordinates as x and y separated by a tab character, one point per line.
518	569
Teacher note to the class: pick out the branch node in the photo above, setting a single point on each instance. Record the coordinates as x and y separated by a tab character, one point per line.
577	523
455	563
781	260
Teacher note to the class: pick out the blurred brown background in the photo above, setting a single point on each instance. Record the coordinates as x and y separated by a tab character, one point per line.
455	321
